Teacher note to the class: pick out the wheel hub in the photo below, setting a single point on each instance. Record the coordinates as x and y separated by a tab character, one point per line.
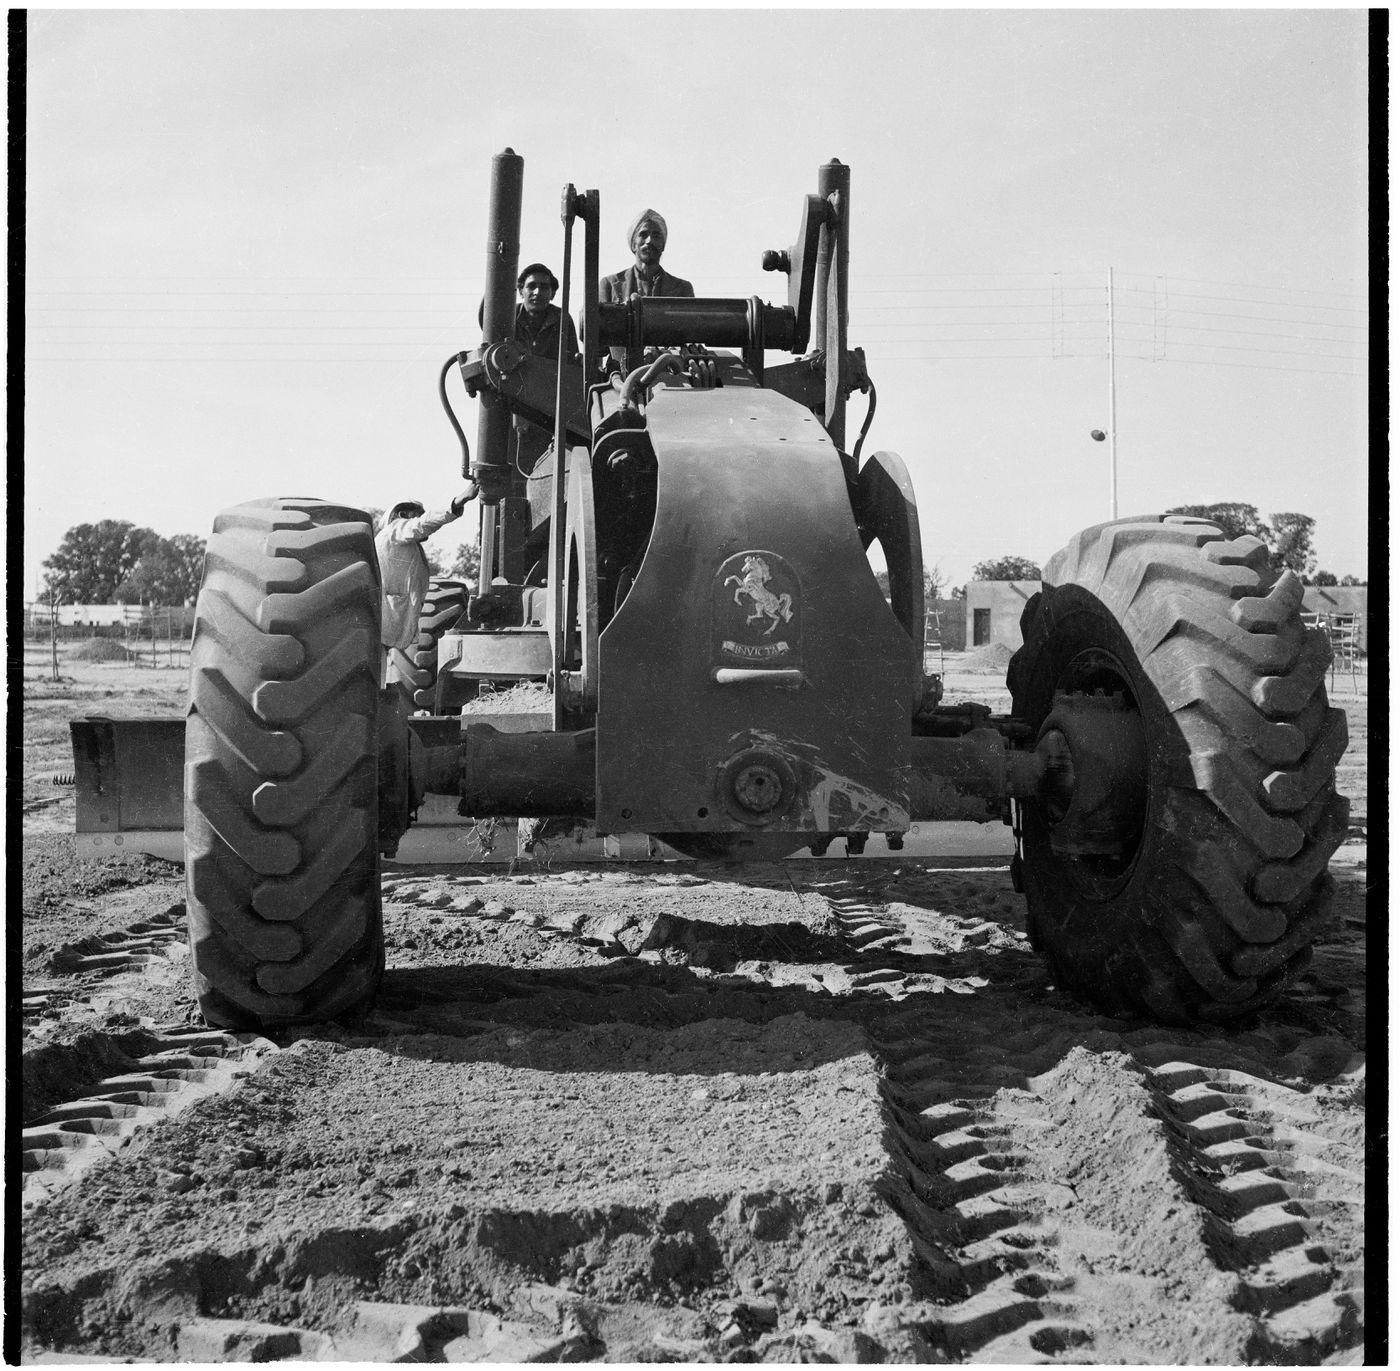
756	786
1094	792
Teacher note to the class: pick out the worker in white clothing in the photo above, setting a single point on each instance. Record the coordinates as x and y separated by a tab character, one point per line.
403	567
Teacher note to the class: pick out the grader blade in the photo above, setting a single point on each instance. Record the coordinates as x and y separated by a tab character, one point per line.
127	778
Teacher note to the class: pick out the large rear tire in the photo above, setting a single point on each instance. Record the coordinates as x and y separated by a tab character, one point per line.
414	669
281	757
1186	649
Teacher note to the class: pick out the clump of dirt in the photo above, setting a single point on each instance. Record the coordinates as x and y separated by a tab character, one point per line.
101	650
991	657
527	697
568	918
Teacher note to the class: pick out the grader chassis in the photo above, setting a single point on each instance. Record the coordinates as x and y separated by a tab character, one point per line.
691	581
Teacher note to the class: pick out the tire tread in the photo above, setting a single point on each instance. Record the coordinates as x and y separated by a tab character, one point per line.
281	770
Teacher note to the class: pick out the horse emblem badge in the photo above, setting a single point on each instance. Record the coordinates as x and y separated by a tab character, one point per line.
776	609
757	610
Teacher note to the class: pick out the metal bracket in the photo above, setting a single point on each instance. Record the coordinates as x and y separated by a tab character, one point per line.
800	264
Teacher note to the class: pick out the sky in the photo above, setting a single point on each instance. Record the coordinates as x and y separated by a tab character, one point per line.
253	237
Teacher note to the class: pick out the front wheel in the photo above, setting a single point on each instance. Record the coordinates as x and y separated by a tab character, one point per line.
1175	860
281	767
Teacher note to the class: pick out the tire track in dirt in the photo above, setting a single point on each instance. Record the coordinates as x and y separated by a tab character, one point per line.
145	961
63	1141
1272	1188
1276	1204
959	1154
1066	1183
143	944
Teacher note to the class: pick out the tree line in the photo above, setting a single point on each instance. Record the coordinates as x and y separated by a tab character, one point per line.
1288	536
115	562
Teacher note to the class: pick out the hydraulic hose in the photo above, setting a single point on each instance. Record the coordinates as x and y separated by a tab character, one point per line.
456	359
645	375
865	427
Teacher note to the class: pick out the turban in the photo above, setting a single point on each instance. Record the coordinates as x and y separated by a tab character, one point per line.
642	218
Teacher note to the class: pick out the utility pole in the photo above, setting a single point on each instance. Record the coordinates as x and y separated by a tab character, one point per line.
1112	410
53	630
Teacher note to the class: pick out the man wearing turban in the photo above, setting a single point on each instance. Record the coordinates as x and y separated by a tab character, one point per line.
647	239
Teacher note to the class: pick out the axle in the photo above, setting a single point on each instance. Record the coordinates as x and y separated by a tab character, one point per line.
128	775
523	775
552	774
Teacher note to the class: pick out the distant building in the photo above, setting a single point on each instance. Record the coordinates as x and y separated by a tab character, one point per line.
993	611
86	616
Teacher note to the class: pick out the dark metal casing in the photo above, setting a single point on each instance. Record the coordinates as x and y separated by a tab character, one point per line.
754	678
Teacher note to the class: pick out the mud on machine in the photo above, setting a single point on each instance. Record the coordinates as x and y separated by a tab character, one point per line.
687	569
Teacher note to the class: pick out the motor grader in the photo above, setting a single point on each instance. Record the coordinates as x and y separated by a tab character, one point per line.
687	571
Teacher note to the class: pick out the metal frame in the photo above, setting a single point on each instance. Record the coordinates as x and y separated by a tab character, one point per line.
1343	630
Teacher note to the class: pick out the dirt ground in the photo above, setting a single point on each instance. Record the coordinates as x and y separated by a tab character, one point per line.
668	1111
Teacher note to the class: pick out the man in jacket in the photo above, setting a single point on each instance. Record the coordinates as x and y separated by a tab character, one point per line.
646	276
403	567
538	319
537	325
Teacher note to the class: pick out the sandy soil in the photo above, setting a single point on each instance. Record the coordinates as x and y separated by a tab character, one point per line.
668	1111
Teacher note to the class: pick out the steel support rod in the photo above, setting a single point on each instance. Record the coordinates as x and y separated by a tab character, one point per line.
558	546
491	466
590	219
486	546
